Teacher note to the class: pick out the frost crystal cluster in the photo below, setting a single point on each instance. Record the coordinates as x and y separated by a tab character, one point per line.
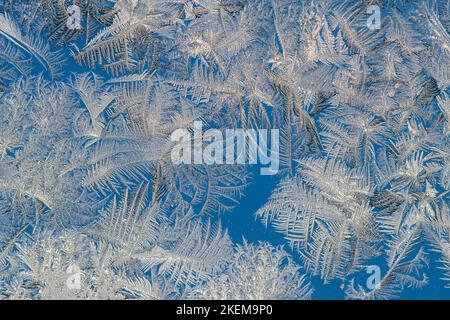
92	205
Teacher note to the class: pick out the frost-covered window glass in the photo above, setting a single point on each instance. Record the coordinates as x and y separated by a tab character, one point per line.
224	149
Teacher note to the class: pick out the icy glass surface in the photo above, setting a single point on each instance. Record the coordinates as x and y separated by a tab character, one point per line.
224	149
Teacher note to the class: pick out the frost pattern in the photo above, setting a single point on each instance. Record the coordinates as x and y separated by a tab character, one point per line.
86	177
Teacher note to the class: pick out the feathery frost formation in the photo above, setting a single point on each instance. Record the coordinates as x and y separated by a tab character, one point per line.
92	206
